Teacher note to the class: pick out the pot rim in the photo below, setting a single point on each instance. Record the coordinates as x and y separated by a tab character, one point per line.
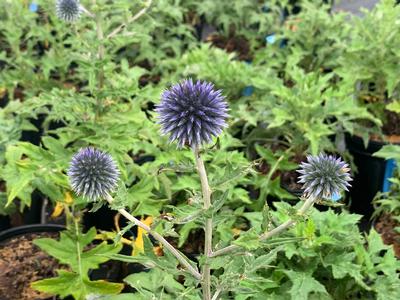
33	228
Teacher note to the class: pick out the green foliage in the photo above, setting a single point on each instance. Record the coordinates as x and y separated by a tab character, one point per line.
371	55
303	285
387	205
325	257
161	279
155	283
239	16
309	110
389	152
215	65
369	62
4	209
333	261
30	167
11	127
83	84
72	250
315	37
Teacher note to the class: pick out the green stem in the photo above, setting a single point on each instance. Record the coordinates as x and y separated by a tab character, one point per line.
206	283
182	260
100	57
131	20
78	248
261	199
306	206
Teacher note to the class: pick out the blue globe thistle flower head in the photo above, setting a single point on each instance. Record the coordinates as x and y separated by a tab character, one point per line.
93	173
324	176
68	10
192	113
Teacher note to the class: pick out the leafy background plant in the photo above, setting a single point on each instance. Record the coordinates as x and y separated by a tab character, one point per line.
302	94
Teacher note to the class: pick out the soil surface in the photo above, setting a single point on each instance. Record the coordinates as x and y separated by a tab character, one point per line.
392	124
238	44
21	263
386	227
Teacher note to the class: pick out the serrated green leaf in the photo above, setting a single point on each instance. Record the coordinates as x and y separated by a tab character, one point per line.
154	282
303	284
394	106
69	283
248	240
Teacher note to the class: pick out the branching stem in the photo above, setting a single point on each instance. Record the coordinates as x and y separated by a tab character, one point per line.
130	20
182	260
306	205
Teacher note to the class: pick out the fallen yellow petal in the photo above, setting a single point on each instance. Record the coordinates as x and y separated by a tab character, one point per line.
58	210
138	244
68	198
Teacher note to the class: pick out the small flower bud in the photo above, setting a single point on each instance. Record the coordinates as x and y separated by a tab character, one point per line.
68	10
324	176
93	173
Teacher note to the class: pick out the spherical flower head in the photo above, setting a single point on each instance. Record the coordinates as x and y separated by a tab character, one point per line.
192	113
324	176
68	10
93	173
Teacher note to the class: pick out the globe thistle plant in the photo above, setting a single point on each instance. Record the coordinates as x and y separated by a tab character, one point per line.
192	113
324	176
68	10
93	173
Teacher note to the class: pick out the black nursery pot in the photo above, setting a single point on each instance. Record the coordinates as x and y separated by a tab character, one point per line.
30	215
102	219
295	192
34	228
4	223
370	177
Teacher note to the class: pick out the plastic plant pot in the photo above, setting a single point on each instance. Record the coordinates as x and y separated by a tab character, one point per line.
4	223
22	262
35	228
372	177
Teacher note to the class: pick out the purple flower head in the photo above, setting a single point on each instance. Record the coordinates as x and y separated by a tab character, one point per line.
323	176
68	10
93	173
192	113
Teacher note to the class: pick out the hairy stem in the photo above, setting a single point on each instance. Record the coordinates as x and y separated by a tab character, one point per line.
130	20
306	205
100	57
182	260
216	295
78	248
101	50
261	199
206	283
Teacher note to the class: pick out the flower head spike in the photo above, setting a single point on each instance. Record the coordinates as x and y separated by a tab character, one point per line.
192	113
68	10
324	176
93	173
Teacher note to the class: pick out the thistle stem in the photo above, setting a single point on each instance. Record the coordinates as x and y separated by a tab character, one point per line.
216	295
182	260
306	206
206	283
130	20
87	12
100	55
